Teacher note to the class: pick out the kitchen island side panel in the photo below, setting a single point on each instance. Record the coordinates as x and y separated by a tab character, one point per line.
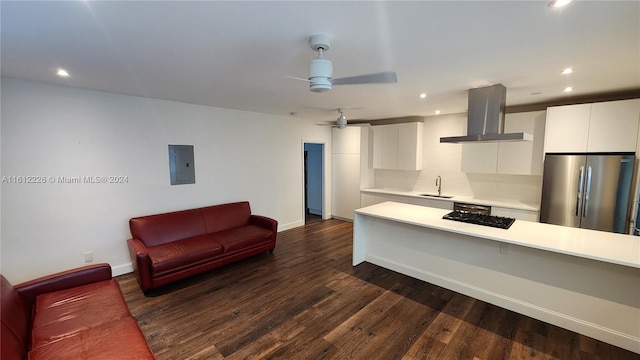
591	297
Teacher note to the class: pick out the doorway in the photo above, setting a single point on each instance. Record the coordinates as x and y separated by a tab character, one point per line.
313	181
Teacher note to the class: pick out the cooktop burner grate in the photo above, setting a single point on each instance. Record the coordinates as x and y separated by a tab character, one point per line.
480	219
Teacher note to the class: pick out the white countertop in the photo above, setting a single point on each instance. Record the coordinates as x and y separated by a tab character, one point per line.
465	199
591	244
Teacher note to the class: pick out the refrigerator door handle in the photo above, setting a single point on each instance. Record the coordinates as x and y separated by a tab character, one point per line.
587	192
580	185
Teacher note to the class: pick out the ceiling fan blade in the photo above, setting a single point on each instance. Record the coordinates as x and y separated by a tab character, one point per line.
386	77
297	78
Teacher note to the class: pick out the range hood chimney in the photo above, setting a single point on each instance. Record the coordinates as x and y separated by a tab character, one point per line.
485	119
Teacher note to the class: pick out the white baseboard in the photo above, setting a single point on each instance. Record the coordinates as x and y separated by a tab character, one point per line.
121	269
341	218
289	226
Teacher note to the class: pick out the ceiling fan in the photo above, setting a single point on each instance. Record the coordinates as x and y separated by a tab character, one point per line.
341	121
321	70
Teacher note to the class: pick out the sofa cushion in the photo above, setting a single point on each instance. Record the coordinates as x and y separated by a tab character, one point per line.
178	254
160	229
226	216
64	313
15	322
118	339
242	237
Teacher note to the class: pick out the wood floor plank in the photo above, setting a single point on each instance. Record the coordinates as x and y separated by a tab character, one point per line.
446	324
269	342
357	326
306	301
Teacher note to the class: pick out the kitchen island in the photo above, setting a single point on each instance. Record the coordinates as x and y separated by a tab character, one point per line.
583	280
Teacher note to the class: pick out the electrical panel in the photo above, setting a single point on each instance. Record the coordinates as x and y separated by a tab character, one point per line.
181	164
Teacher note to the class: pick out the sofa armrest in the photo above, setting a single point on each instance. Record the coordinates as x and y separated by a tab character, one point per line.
63	280
264	222
141	262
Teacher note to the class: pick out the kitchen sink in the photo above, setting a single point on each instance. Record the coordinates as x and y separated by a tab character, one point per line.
436	196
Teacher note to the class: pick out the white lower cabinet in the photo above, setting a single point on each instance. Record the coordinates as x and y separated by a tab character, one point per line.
368	199
518	214
439	204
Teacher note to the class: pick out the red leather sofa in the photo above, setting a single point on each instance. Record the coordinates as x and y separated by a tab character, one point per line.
171	246
76	314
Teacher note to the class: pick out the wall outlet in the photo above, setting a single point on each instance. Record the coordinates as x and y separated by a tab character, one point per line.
88	256
504	248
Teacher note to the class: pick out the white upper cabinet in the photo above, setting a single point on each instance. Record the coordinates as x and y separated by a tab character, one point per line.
567	128
389	147
398	146
523	157
410	146
517	157
480	158
613	126
610	126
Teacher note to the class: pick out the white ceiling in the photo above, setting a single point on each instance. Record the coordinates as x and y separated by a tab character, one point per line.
237	54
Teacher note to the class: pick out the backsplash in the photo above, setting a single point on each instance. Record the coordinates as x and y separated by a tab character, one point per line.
444	160
525	189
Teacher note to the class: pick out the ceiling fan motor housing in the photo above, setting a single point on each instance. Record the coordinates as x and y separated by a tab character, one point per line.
320	73
341	121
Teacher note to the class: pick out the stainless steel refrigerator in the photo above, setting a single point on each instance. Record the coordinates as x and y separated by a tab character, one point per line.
591	191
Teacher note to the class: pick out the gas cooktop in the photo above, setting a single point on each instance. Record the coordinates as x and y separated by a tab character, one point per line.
480	219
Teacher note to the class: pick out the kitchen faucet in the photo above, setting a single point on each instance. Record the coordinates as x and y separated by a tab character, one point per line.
439	185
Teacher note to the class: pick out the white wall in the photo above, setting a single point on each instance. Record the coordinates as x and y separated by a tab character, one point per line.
55	131
445	160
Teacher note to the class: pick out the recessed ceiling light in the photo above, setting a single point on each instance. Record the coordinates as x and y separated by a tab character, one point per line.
568	89
567	71
559	3
62	72
437	112
423	96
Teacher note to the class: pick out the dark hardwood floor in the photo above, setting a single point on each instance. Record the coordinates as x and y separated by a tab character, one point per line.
306	301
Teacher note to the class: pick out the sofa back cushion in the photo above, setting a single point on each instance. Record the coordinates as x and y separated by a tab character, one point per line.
15	317
226	216
160	229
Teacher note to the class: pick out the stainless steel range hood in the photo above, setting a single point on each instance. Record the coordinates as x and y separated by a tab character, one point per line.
485	119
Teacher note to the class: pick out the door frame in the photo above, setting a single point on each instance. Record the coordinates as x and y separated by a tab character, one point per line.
326	174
